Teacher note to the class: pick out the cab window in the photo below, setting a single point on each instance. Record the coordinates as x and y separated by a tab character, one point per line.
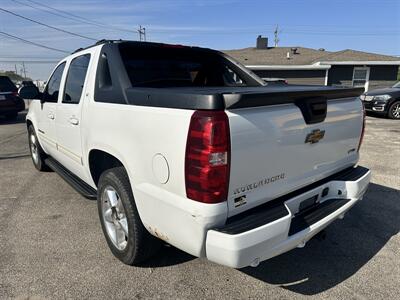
53	86
76	79
164	66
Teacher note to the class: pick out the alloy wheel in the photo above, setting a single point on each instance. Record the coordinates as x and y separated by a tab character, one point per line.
114	218
34	148
396	111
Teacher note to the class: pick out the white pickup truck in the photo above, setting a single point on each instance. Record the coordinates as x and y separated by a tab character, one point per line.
185	145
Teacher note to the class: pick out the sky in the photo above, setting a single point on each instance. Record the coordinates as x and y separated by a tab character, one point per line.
365	25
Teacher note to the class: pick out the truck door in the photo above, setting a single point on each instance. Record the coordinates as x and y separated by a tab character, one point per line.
68	122
47	113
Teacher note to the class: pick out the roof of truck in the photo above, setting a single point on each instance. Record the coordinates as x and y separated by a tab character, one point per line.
140	43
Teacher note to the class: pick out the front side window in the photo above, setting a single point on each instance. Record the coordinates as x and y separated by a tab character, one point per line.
76	79
53	86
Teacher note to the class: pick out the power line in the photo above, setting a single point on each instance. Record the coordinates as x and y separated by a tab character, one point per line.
49	26
294	30
63	12
74	17
49	12
288	32
32	43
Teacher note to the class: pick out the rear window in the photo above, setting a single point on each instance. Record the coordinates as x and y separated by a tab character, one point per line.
177	67
6	85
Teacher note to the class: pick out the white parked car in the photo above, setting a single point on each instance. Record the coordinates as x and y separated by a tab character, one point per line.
185	145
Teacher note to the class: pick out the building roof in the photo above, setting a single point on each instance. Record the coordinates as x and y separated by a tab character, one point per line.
304	56
353	55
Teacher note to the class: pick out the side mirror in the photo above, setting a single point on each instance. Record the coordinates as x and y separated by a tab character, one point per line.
29	92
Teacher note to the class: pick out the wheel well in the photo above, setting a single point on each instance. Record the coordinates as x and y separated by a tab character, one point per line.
28	123
100	161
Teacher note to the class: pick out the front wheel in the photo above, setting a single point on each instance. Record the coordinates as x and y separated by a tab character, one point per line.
394	110
123	229
37	154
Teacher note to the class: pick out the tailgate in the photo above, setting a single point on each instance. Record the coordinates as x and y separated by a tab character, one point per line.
275	151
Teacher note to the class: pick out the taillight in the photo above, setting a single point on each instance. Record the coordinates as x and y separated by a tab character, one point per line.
207	160
15	93
362	129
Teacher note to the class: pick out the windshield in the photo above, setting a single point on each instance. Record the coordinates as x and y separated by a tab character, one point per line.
397	85
171	66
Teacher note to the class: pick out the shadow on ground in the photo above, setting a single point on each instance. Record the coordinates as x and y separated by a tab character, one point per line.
350	244
167	256
14	156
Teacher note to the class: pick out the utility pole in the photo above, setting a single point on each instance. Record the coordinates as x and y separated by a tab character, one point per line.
142	33
23	66
15	66
276	34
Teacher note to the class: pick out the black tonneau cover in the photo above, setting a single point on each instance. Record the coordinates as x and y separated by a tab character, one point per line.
220	98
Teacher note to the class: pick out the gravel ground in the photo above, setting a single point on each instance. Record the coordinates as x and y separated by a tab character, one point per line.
52	246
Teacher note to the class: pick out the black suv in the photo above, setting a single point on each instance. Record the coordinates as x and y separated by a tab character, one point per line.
10	102
383	101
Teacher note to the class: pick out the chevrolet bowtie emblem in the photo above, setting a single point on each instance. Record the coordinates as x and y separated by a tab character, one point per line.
315	136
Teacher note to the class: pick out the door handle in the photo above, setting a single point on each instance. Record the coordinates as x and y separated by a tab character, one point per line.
50	116
74	121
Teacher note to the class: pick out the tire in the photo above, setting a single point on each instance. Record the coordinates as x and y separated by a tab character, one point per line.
11	116
123	229
394	110
37	154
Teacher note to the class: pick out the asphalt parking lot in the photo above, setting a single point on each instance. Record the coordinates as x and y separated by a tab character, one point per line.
52	246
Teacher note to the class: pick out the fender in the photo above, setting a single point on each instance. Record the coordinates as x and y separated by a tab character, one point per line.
28	119
110	150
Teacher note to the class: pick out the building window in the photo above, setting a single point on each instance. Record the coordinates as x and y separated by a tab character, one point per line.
361	77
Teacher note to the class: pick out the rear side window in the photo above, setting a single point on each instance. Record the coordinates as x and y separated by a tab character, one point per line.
6	85
53	86
76	79
171	66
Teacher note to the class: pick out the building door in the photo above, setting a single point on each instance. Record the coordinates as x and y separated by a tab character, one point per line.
361	77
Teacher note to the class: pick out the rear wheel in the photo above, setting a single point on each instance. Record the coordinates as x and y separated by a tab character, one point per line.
124	231
394	110
37	153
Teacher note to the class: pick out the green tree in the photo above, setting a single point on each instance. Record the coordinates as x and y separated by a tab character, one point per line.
13	76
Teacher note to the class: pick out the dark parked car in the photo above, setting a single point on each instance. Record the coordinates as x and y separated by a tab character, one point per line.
383	101
10	102
27	83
